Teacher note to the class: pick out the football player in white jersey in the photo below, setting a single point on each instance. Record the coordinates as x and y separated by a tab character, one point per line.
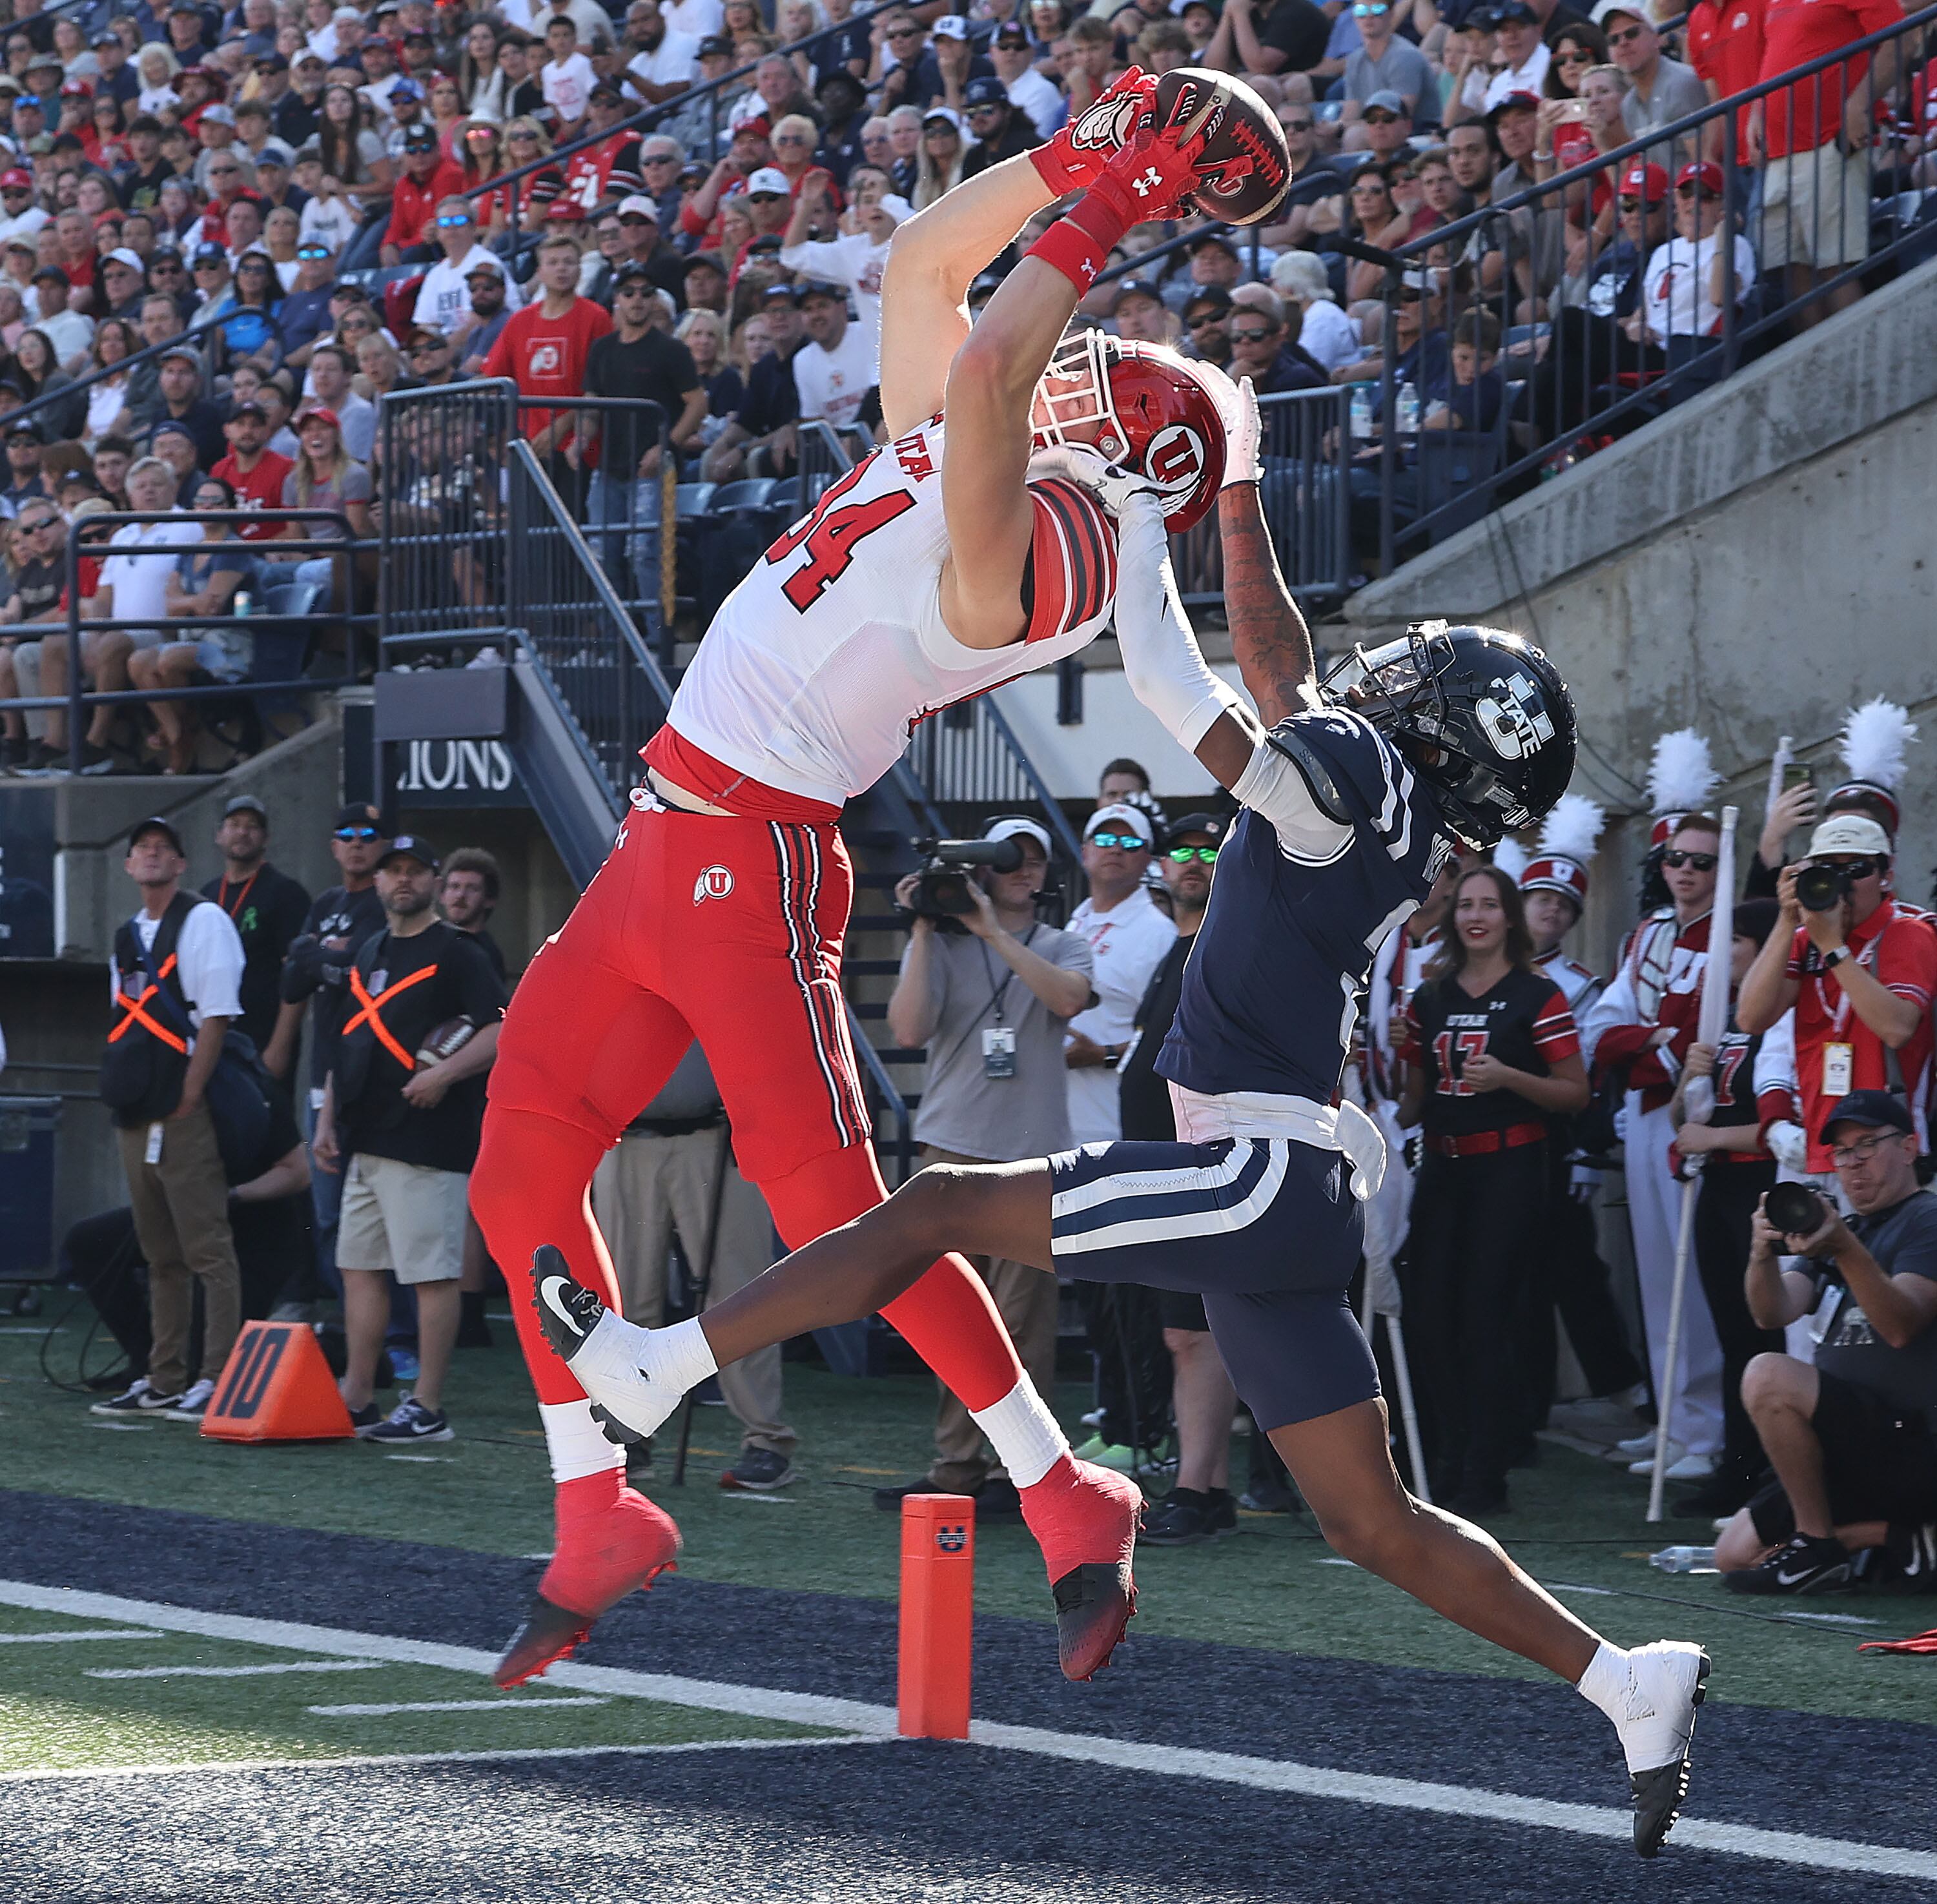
950	561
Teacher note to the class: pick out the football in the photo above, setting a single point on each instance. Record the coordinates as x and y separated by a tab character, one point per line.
1245	165
443	1040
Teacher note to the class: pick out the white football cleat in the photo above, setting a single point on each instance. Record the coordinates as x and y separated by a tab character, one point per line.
603	1350
1666	1682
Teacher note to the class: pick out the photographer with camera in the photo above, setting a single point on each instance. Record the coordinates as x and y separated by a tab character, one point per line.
1859	974
989	989
1853	1439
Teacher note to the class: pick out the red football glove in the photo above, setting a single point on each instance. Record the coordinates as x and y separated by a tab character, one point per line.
1148	178
1073	157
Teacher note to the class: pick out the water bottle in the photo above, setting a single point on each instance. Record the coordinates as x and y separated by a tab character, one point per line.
1407	406
1684	1560
1361	414
243	604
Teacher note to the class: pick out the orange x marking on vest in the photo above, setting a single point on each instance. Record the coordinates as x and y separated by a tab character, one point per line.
372	1014
133	1011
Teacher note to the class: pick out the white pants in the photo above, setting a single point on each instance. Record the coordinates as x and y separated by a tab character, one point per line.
1654	1214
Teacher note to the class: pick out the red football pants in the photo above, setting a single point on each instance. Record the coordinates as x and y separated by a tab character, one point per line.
728	931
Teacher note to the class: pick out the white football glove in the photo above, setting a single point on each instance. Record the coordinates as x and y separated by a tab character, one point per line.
1111	484
1244	429
1789	1144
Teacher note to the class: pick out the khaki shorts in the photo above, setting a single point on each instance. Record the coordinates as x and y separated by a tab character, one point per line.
403	1217
1816	208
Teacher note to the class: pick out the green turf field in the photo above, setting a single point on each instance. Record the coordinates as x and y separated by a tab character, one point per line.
1578	1524
118	1695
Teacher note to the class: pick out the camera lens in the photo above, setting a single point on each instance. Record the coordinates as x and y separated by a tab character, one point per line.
1820	888
1794	1210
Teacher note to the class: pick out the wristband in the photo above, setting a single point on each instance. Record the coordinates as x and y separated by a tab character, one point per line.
1080	256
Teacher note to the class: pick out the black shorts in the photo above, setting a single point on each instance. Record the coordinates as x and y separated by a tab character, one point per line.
1264	1233
1879	1461
1177	1308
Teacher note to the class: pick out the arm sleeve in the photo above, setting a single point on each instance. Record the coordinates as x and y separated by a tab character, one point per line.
1554	1035
1273	787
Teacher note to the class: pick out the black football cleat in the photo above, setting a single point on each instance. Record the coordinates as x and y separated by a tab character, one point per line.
550	1633
1094	1603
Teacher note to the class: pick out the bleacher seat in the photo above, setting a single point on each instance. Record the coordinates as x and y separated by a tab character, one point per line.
692	500
751	493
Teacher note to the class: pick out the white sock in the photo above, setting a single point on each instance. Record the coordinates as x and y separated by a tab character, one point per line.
1023	1433
680	1357
576	1443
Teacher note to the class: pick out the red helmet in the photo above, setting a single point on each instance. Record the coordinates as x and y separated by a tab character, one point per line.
1153	414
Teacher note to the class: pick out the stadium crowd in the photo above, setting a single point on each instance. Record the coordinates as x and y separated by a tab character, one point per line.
276	215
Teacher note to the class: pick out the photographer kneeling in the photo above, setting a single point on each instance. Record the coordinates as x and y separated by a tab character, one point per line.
989	990
1854	1439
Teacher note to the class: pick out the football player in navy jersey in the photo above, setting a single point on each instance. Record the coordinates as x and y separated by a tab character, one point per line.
1354	796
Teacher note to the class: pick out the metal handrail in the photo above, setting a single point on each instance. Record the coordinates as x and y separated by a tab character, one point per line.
1066	835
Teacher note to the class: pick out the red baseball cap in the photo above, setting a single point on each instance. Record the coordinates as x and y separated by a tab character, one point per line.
319	412
1704	172
16	180
1647	183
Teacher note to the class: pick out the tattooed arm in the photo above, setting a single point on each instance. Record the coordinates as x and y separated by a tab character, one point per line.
1269	636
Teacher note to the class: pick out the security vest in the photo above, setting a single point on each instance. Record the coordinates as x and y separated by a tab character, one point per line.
147	1058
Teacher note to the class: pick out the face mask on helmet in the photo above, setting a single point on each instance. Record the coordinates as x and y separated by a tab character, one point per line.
1490	722
1138	406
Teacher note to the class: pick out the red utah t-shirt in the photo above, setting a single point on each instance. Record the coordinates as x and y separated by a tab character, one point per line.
546	356
262	488
1724	41
1810	114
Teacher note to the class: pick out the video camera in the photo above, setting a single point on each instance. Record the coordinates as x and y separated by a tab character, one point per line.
941	888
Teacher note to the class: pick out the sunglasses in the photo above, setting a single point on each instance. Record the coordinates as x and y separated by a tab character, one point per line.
312	251
452	221
1621	38
904	33
1367	9
1701	862
1129	842
1250	337
347	834
1204	322
1695	192
1574	59
426	345
1182	856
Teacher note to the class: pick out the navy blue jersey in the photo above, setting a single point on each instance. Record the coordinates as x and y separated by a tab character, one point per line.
1331	852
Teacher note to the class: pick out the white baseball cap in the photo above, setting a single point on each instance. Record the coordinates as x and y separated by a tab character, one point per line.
1015	823
1128	818
640	206
769	178
950	26
1847	832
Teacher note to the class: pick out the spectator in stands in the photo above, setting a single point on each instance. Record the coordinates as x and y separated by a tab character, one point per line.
351	151
663	63
444	298
476	336
1851	1437
1028	92
326	477
835	369
1324	331
1520	62
1385	63
25	482
405	1136
1663	89
566	77
1698	273
303	318
764	424
177	966
992	1001
123	283
330	370
1258	348
1199	1507
1206	324
203	581
1290	36
543	348
1000	129
267	908
39	742
1815	137
856	259
428	177
1128	937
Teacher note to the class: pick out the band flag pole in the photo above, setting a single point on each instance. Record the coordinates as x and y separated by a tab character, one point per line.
1711	1021
937	1611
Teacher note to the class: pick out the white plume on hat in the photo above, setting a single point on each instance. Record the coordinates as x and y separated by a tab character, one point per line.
1681	777
1509	856
1573	829
1874	737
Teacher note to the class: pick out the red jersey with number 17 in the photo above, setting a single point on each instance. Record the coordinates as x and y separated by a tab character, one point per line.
820	665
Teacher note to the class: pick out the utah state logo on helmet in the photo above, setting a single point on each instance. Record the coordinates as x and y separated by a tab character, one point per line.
1142	406
1489	721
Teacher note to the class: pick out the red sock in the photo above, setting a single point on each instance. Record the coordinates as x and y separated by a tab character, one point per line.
610	1540
532	1185
949	1317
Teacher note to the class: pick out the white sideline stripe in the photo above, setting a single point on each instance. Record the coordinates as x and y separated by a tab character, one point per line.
54	1639
232	1672
448	1706
877	1722
201	1768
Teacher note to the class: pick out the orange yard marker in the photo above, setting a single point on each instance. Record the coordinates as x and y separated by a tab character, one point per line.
276	1387
937	1615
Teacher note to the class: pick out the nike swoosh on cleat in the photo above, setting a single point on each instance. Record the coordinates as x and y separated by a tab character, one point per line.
548	1294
